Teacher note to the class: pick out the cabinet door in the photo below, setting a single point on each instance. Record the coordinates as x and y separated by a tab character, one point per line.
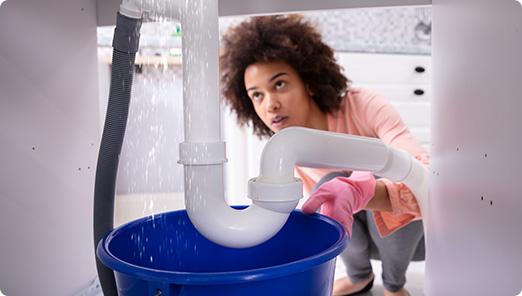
405	80
49	137
474	230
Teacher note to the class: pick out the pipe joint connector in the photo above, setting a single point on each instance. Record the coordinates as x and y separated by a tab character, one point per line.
397	165
279	197
135	9
211	153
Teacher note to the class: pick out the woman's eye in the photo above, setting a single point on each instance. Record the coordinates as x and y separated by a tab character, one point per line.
257	96
280	84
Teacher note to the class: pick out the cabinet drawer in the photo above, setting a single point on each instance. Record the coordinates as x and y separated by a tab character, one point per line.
401	92
386	68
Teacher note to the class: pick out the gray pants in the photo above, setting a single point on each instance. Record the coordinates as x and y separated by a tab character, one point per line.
395	251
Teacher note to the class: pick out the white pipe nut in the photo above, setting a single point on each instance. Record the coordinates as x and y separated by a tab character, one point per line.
279	197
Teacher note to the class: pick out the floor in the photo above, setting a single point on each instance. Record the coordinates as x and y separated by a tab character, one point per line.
414	277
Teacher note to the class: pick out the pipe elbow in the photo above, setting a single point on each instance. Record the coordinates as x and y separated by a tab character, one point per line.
318	149
237	228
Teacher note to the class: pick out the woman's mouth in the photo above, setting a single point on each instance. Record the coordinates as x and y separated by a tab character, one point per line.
279	121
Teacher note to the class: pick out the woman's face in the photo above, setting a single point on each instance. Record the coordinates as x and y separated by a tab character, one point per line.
280	97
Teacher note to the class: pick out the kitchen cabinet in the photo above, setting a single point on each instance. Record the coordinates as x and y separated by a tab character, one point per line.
405	80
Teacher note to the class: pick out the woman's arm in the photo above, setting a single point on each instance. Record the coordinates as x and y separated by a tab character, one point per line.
400	206
381	199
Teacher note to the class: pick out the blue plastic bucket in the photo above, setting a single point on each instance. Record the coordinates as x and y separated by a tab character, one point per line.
166	255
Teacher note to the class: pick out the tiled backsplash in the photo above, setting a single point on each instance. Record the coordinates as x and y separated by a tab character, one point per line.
403	30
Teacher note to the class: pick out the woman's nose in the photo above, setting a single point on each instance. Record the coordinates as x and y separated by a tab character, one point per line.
272	103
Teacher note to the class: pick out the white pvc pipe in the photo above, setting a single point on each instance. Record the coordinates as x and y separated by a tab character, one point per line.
218	222
288	148
314	148
204	183
200	39
203	153
275	192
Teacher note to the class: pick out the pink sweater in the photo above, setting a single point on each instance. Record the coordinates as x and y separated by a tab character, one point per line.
364	113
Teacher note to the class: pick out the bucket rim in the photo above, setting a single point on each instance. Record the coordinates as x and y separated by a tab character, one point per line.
216	278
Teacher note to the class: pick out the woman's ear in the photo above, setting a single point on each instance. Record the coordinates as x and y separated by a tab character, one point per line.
309	91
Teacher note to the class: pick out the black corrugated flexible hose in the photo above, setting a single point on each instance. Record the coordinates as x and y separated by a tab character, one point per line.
125	45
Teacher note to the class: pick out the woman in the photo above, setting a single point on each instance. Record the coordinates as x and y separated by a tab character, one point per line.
276	72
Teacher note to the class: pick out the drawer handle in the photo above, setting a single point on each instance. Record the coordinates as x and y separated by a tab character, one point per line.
418	92
420	69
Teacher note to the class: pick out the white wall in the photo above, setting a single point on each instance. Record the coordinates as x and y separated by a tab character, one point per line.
474	229
48	145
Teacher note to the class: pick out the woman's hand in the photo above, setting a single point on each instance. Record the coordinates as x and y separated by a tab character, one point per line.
342	197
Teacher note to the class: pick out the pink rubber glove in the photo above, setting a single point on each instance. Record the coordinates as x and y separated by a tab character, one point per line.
342	197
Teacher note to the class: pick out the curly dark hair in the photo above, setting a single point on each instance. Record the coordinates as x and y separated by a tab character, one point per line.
287	38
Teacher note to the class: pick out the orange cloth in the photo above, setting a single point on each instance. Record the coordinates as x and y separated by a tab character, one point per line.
365	113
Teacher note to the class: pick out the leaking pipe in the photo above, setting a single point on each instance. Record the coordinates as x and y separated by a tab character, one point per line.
203	151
